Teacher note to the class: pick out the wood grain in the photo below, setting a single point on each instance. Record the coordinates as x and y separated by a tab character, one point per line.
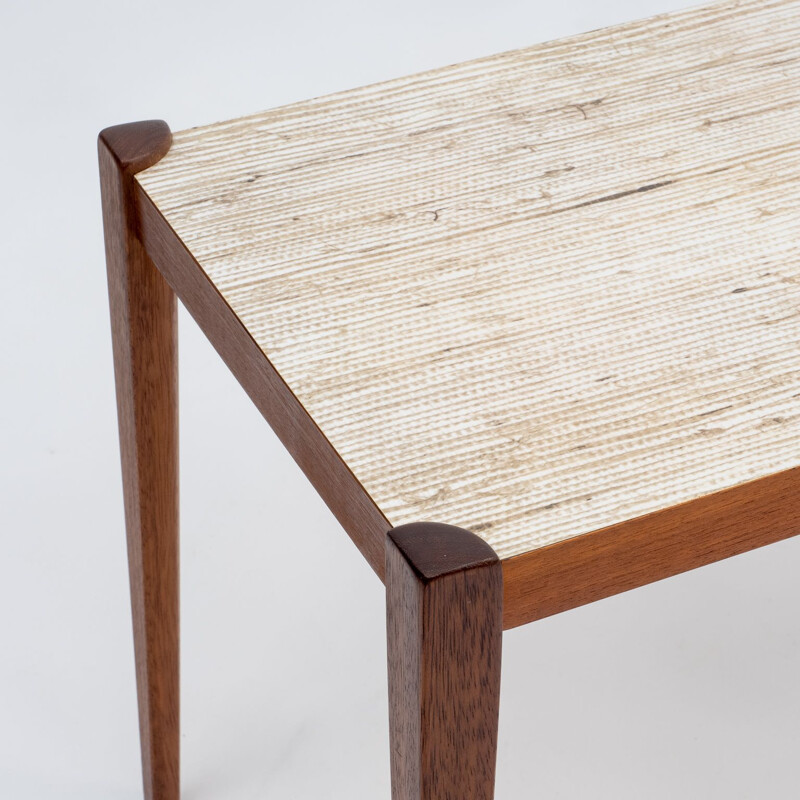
444	627
143	325
590	567
535	295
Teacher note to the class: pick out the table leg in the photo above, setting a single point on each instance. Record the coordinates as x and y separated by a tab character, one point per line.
143	321
444	624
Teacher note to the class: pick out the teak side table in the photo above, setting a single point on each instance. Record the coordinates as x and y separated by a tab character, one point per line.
549	300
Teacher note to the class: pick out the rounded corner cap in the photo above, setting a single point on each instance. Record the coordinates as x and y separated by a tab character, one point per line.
137	145
435	549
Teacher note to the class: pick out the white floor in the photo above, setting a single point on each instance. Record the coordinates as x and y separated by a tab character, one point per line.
685	689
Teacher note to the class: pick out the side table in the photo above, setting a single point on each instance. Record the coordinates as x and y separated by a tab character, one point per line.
529	325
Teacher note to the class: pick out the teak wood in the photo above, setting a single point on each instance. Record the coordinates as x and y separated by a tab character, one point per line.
240	222
659	545
444	595
144	332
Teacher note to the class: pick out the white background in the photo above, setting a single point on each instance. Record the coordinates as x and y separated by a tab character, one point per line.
685	689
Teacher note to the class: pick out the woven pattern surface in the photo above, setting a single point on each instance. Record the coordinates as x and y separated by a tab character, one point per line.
536	294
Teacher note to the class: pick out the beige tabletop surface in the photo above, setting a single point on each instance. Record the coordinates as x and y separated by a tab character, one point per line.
536	294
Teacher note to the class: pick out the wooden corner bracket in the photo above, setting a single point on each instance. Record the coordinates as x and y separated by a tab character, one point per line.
136	145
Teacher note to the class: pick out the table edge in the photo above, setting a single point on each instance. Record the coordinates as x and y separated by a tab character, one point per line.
307	444
645	549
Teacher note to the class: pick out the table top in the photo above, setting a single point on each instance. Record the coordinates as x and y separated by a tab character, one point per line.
534	295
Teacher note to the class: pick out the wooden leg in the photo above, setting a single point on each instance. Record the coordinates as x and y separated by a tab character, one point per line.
444	622
143	321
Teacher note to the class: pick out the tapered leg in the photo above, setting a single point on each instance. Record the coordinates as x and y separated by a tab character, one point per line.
143	321
444	623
